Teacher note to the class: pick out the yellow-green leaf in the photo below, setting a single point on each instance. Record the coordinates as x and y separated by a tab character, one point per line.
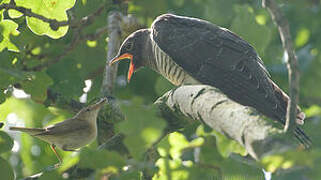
8	28
52	9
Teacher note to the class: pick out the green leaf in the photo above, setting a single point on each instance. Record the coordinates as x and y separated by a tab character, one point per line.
67	78
6	170
6	143
2	96
178	142
142	127
129	175
51	175
302	37
229	168
175	144
245	25
9	75
162	85
9	28
52	9
1	17
217	12
289	159
36	85
225	145
313	110
178	169
170	169
100	159
68	162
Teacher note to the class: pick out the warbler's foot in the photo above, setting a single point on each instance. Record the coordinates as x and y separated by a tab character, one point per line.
57	165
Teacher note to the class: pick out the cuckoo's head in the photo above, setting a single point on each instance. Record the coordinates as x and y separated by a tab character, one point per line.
132	49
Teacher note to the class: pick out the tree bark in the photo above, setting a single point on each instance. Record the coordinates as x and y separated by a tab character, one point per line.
240	123
114	38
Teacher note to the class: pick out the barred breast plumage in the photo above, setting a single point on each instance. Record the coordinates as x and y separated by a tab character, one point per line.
169	69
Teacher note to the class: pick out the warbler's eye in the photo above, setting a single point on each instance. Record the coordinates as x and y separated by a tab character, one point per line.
87	109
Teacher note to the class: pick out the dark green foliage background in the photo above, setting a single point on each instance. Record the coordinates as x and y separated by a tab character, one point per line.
24	48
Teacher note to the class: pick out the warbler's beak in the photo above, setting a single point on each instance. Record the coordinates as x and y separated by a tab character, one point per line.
122	57
100	103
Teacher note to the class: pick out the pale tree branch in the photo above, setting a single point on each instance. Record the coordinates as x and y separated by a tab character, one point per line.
106	128
114	40
240	123
116	22
292	63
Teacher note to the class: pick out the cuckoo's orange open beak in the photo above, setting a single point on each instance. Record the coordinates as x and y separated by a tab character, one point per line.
131	65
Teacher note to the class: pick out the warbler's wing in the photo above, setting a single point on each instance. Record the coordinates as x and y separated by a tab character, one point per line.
66	127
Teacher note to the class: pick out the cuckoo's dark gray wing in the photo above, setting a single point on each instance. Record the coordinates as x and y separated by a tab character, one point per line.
217	57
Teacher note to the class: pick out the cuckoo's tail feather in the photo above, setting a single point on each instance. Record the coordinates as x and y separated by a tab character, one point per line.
31	131
302	138
281	116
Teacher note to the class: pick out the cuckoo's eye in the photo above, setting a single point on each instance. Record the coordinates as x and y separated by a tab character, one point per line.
129	46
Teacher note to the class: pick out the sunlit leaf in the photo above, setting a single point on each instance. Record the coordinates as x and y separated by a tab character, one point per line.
225	145
14	13
302	37
313	111
68	162
170	169
8	28
52	9
246	26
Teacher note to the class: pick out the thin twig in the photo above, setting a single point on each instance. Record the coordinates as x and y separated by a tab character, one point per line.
54	24
78	26
68	48
292	63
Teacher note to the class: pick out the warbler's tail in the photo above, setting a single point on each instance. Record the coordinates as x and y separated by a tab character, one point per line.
31	131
